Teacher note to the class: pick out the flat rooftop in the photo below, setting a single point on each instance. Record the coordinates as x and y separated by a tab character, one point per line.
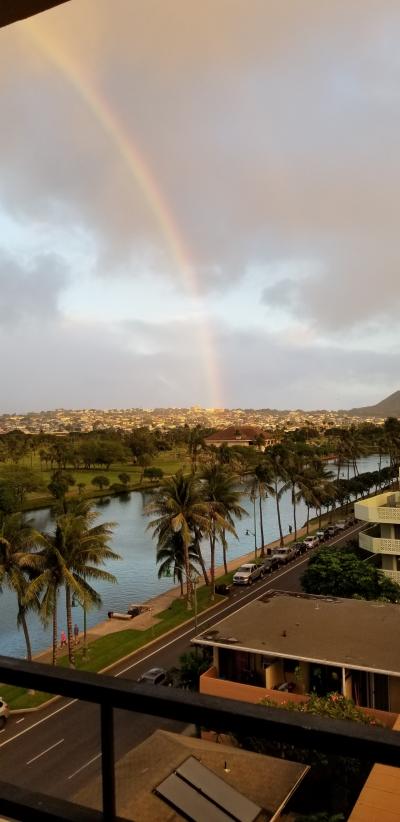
348	633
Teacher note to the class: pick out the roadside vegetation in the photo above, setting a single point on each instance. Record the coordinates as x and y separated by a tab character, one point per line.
343	573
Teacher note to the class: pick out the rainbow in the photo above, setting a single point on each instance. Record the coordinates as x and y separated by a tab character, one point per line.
143	177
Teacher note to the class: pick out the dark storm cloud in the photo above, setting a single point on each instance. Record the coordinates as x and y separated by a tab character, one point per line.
273	133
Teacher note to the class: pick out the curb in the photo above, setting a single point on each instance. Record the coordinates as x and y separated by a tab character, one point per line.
16	711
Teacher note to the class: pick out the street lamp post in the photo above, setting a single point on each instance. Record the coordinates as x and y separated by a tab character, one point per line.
75	602
253	534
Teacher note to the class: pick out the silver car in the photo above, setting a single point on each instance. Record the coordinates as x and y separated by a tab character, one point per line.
155	676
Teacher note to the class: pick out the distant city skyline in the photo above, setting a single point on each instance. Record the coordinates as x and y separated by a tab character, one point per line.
199	205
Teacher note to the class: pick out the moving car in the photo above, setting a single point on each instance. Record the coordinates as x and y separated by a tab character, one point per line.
154	676
247	574
4	711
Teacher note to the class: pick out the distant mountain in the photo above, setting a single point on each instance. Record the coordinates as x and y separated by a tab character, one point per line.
389	407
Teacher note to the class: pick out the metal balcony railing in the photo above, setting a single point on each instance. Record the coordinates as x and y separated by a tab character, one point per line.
222	715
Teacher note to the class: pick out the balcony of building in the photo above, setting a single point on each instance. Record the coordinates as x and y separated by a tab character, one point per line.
381	539
383	508
19	801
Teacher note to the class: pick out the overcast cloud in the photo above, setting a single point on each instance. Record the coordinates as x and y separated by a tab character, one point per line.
272	132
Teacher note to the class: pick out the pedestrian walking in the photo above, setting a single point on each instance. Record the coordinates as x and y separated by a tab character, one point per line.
63	639
290	529
76	634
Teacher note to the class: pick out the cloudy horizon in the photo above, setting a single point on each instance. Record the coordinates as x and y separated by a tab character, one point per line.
199	204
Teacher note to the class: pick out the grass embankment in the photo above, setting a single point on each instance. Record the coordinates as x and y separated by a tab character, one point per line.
111	648
169	461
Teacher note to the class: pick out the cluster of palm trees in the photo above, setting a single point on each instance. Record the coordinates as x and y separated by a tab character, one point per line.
205	505
38	566
188	509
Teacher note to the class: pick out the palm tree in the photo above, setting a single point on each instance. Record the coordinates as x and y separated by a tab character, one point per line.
49	582
171	555
222	499
308	491
293	469
85	548
71	557
180	508
18	563
277	458
261	488
195	445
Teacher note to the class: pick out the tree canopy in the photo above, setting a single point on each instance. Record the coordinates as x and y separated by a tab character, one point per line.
345	574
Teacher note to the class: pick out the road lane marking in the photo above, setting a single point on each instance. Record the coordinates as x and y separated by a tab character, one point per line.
20	720
262	588
44	752
71	776
39	722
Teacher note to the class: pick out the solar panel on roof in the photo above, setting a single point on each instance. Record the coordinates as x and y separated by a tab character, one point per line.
217	790
190	802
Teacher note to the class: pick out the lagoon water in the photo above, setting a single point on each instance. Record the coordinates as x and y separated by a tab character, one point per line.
136	571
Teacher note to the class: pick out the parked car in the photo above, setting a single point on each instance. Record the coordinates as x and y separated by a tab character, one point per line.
340	526
4	711
269	564
222	588
300	548
285	554
321	535
331	531
154	676
311	542
247	574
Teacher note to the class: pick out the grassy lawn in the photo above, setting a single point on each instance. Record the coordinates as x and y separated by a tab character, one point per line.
169	461
109	649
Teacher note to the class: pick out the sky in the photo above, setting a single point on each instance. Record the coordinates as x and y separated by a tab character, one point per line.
199	204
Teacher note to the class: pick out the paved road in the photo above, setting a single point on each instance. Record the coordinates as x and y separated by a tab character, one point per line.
57	750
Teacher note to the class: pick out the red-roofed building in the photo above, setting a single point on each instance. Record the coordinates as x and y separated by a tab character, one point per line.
243	435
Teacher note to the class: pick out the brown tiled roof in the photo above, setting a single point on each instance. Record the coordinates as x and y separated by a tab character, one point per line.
237	432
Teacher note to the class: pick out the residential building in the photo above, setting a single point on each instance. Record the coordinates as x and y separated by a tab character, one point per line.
287	645
382	536
169	776
243	435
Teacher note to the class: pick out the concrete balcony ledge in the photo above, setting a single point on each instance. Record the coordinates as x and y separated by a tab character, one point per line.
381	508
393	575
379	545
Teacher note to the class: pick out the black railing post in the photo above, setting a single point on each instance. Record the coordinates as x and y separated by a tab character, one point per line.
108	762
